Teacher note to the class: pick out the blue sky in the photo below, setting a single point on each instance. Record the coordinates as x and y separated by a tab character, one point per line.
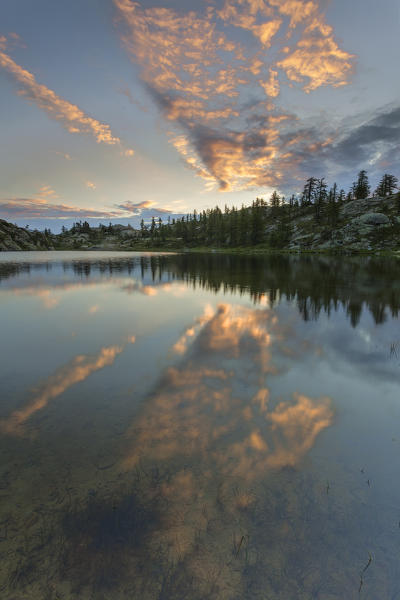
117	110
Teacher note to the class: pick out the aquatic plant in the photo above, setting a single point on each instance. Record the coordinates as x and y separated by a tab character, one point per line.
103	536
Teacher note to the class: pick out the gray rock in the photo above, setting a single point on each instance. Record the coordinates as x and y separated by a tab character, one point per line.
358	207
374	219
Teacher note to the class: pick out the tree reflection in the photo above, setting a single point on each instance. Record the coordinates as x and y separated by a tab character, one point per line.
317	284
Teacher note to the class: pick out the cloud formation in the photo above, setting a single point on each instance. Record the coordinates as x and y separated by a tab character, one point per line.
31	208
146	210
44	208
137	208
46	191
375	141
201	76
69	115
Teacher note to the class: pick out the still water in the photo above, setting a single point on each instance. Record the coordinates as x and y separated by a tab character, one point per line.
199	427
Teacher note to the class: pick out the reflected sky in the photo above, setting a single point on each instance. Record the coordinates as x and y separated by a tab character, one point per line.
241	406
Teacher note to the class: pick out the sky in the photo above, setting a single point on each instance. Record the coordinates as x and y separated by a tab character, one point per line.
119	110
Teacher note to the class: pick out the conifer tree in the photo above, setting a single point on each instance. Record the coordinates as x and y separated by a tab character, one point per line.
275	202
309	191
243	226
334	191
333	208
320	197
257	221
152	226
361	187
387	185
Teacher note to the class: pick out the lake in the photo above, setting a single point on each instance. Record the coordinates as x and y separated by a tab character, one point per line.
199	427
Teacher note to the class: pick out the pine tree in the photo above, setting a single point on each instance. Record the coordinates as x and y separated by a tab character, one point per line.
292	201
387	185
152	226
275	202
361	187
309	191
243	226
257	221
334	191
398	202
320	198
333	208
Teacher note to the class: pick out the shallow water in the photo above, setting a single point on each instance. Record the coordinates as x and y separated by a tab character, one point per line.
199	427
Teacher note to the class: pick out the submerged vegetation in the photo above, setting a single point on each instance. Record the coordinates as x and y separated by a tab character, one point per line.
214	482
130	541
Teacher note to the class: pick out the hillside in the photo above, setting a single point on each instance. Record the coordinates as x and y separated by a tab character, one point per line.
371	224
18	238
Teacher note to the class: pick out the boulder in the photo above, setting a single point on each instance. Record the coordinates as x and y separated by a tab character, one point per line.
374	219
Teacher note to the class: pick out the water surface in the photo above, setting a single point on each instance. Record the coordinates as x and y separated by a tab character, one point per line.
199	426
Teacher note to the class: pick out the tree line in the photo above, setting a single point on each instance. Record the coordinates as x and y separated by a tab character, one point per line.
270	220
264	221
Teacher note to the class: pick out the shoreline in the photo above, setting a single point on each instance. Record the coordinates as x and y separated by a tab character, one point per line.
252	251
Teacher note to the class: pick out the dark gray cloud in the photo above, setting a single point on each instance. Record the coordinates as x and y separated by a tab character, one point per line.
377	137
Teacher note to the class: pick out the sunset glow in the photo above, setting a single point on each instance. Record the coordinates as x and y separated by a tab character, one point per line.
144	109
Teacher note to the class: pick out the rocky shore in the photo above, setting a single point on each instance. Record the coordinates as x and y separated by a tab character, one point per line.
371	224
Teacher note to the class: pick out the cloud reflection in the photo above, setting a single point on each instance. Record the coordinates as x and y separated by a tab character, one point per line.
212	432
77	370
216	404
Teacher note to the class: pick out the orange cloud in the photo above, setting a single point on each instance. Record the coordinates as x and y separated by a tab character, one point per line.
271	87
199	75
228	163
70	115
178	51
46	191
192	110
297	10
318	59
